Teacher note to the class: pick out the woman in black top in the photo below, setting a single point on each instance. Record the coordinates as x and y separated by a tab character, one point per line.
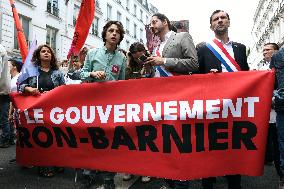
49	75
47	79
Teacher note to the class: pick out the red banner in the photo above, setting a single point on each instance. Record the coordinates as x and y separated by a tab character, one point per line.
83	24
20	33
182	127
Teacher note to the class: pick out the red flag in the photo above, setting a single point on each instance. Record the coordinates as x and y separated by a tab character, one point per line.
83	24
20	33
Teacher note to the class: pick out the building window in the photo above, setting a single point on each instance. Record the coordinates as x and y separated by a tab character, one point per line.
75	14
26	29
127	26
141	35
52	7
134	32
118	16
51	37
127	44
95	26
98	4
109	12
147	18
127	5
135	10
141	15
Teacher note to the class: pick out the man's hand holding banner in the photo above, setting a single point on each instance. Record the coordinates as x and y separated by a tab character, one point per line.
182	127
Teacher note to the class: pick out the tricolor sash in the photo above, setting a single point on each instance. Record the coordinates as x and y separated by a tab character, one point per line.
228	63
161	70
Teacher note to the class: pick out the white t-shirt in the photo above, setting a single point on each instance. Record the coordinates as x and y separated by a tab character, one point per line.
13	87
161	48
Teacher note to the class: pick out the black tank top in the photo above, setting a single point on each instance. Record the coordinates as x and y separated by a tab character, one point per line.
44	81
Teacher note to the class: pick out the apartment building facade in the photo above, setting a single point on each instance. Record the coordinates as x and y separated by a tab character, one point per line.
53	22
268	27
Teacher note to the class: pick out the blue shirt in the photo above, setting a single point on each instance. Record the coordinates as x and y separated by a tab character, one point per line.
101	59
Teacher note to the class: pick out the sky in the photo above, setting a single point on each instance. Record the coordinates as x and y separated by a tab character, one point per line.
198	12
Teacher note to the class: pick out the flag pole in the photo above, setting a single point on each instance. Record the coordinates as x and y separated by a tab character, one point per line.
82	27
20	33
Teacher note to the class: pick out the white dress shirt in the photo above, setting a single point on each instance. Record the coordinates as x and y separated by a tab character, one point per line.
229	47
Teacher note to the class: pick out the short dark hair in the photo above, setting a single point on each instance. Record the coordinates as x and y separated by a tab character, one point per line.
120	28
217	11
84	50
16	62
274	45
136	47
36	57
163	17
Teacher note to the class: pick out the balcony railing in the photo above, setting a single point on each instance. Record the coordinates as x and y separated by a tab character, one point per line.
146	7
27	1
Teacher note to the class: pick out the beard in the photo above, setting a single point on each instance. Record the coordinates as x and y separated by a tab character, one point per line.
156	32
220	31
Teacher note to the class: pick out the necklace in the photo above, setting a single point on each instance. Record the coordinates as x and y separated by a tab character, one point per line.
45	69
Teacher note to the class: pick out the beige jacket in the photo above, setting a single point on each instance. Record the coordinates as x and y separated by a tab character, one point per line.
5	77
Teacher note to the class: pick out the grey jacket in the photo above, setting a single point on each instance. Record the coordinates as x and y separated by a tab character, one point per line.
180	53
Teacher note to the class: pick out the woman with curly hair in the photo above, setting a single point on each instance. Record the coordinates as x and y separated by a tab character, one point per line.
48	78
49	75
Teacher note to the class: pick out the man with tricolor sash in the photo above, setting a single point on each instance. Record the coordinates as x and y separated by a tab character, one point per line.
222	55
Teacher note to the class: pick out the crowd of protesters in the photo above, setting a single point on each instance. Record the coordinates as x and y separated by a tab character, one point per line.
174	55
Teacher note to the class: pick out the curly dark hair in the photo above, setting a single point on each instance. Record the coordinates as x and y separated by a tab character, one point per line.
120	28
134	48
37	61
